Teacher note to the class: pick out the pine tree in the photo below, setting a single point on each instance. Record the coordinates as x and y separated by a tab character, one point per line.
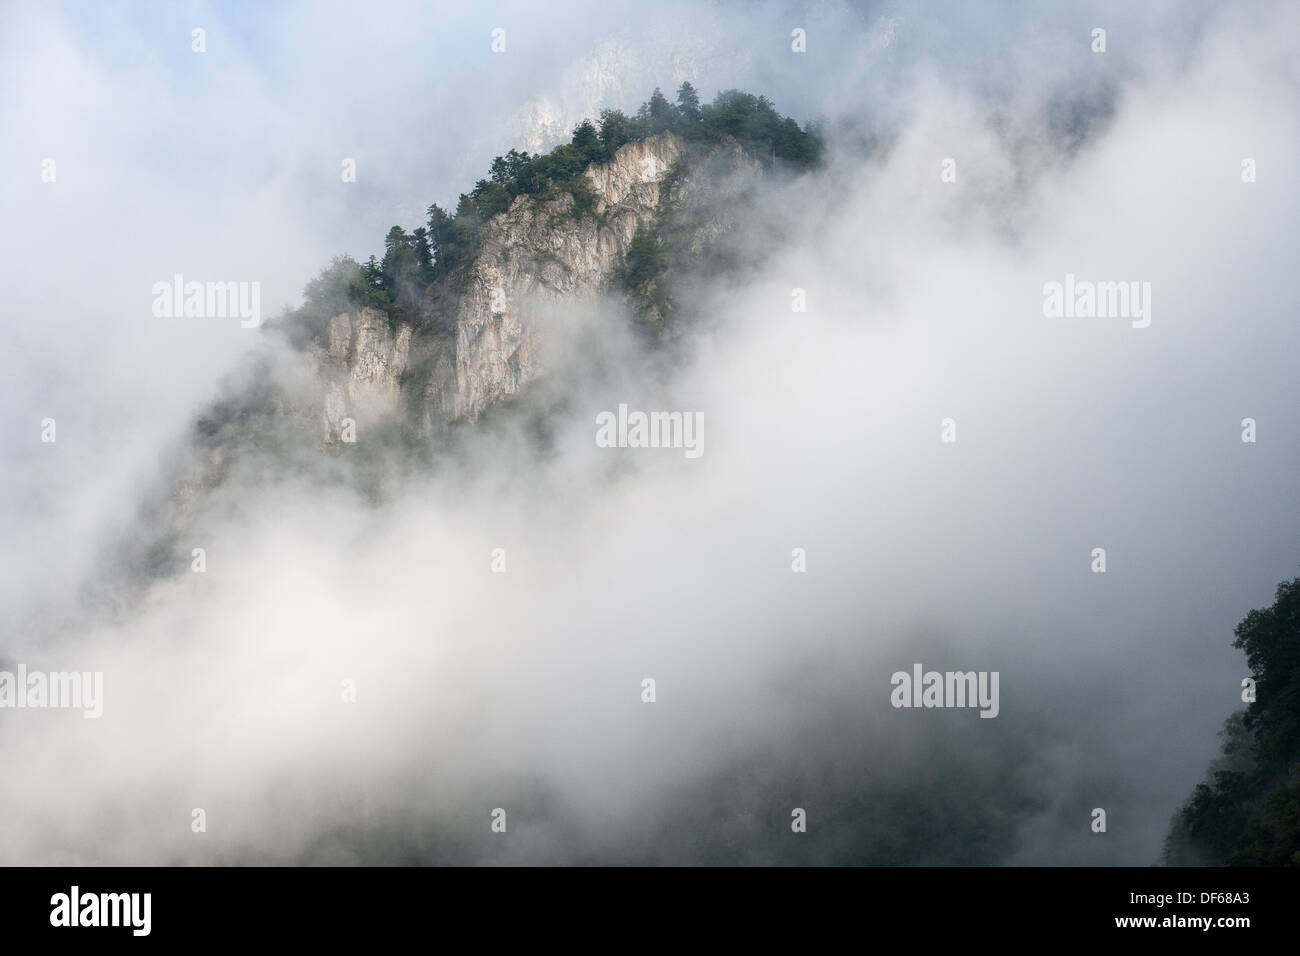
587	142
688	102
423	254
659	111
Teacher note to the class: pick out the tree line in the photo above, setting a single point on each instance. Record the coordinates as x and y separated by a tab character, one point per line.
413	261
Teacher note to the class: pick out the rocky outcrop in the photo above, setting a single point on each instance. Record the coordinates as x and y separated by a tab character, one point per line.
532	254
362	371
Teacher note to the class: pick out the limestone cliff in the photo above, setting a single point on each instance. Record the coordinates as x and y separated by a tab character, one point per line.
533	253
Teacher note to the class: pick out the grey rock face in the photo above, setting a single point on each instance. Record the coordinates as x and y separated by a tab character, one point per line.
362	372
532	254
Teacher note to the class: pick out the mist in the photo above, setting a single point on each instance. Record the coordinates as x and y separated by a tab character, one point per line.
522	689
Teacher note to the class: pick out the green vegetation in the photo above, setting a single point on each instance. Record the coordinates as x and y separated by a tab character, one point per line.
750	120
646	259
437	251
1247	812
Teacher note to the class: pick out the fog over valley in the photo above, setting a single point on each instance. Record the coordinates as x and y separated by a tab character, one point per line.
887	441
